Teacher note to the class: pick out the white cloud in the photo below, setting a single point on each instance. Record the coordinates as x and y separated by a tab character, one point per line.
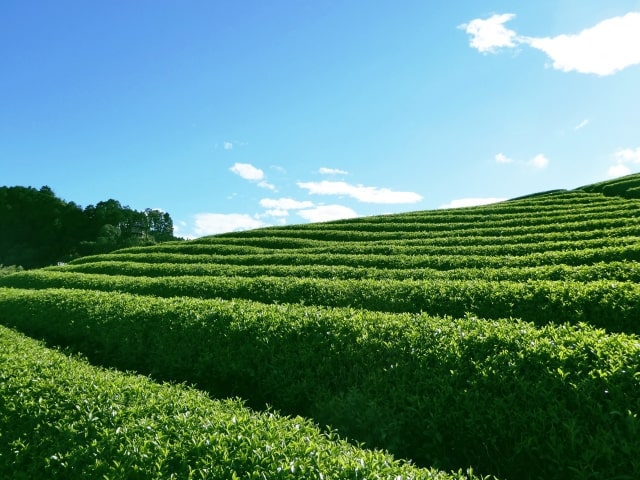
582	124
228	145
539	161
604	49
285	203
501	158
267	185
325	213
623	158
489	35
247	171
280	207
618	170
471	202
251	173
360	192
276	212
179	228
332	171
628	155
214	223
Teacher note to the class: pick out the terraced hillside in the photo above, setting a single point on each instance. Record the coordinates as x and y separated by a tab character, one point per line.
502	337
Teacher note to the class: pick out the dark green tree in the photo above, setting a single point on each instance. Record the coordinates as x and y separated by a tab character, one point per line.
37	228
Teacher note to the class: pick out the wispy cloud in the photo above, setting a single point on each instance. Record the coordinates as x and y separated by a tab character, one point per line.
604	49
228	145
539	162
360	192
502	158
332	171
326	213
280	207
267	185
214	223
285	203
471	202
582	124
623	159
251	173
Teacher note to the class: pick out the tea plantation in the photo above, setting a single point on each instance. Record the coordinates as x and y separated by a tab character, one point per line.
501	340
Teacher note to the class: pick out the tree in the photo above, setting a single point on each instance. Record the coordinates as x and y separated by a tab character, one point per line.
37	228
159	225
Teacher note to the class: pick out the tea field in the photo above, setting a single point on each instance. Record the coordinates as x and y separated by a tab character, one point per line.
500	340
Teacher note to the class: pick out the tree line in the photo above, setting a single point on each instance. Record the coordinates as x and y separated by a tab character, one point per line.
37	228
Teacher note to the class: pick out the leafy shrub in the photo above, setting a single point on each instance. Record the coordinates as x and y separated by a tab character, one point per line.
611	305
62	418
504	396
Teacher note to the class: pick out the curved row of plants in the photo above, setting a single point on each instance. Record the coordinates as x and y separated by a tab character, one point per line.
301	321
576	206
272	241
611	305
63	418
334	232
630	252
479	246
504	396
621	271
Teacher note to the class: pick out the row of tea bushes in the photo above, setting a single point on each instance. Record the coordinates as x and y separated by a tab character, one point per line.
605	303
473	245
619	271
63	418
629	252
507	397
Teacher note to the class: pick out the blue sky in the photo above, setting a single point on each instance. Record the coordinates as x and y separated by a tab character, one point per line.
240	114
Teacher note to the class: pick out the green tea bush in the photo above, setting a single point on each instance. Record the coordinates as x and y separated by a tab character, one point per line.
616	271
10	269
63	418
504	396
607	304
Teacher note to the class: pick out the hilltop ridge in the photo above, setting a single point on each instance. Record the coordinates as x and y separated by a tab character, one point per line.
625	187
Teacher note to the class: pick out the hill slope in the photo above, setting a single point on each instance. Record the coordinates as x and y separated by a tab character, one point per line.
424	333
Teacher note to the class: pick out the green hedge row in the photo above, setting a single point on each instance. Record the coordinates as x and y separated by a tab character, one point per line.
506	214
586	256
63	418
486	246
363	231
273	241
612	305
615	271
510	399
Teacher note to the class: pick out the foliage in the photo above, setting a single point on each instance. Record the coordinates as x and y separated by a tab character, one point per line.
603	303
40	229
62	418
9	270
444	392
627	186
504	337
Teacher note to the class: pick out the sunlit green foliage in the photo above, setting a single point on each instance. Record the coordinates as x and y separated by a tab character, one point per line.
502	337
62	418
